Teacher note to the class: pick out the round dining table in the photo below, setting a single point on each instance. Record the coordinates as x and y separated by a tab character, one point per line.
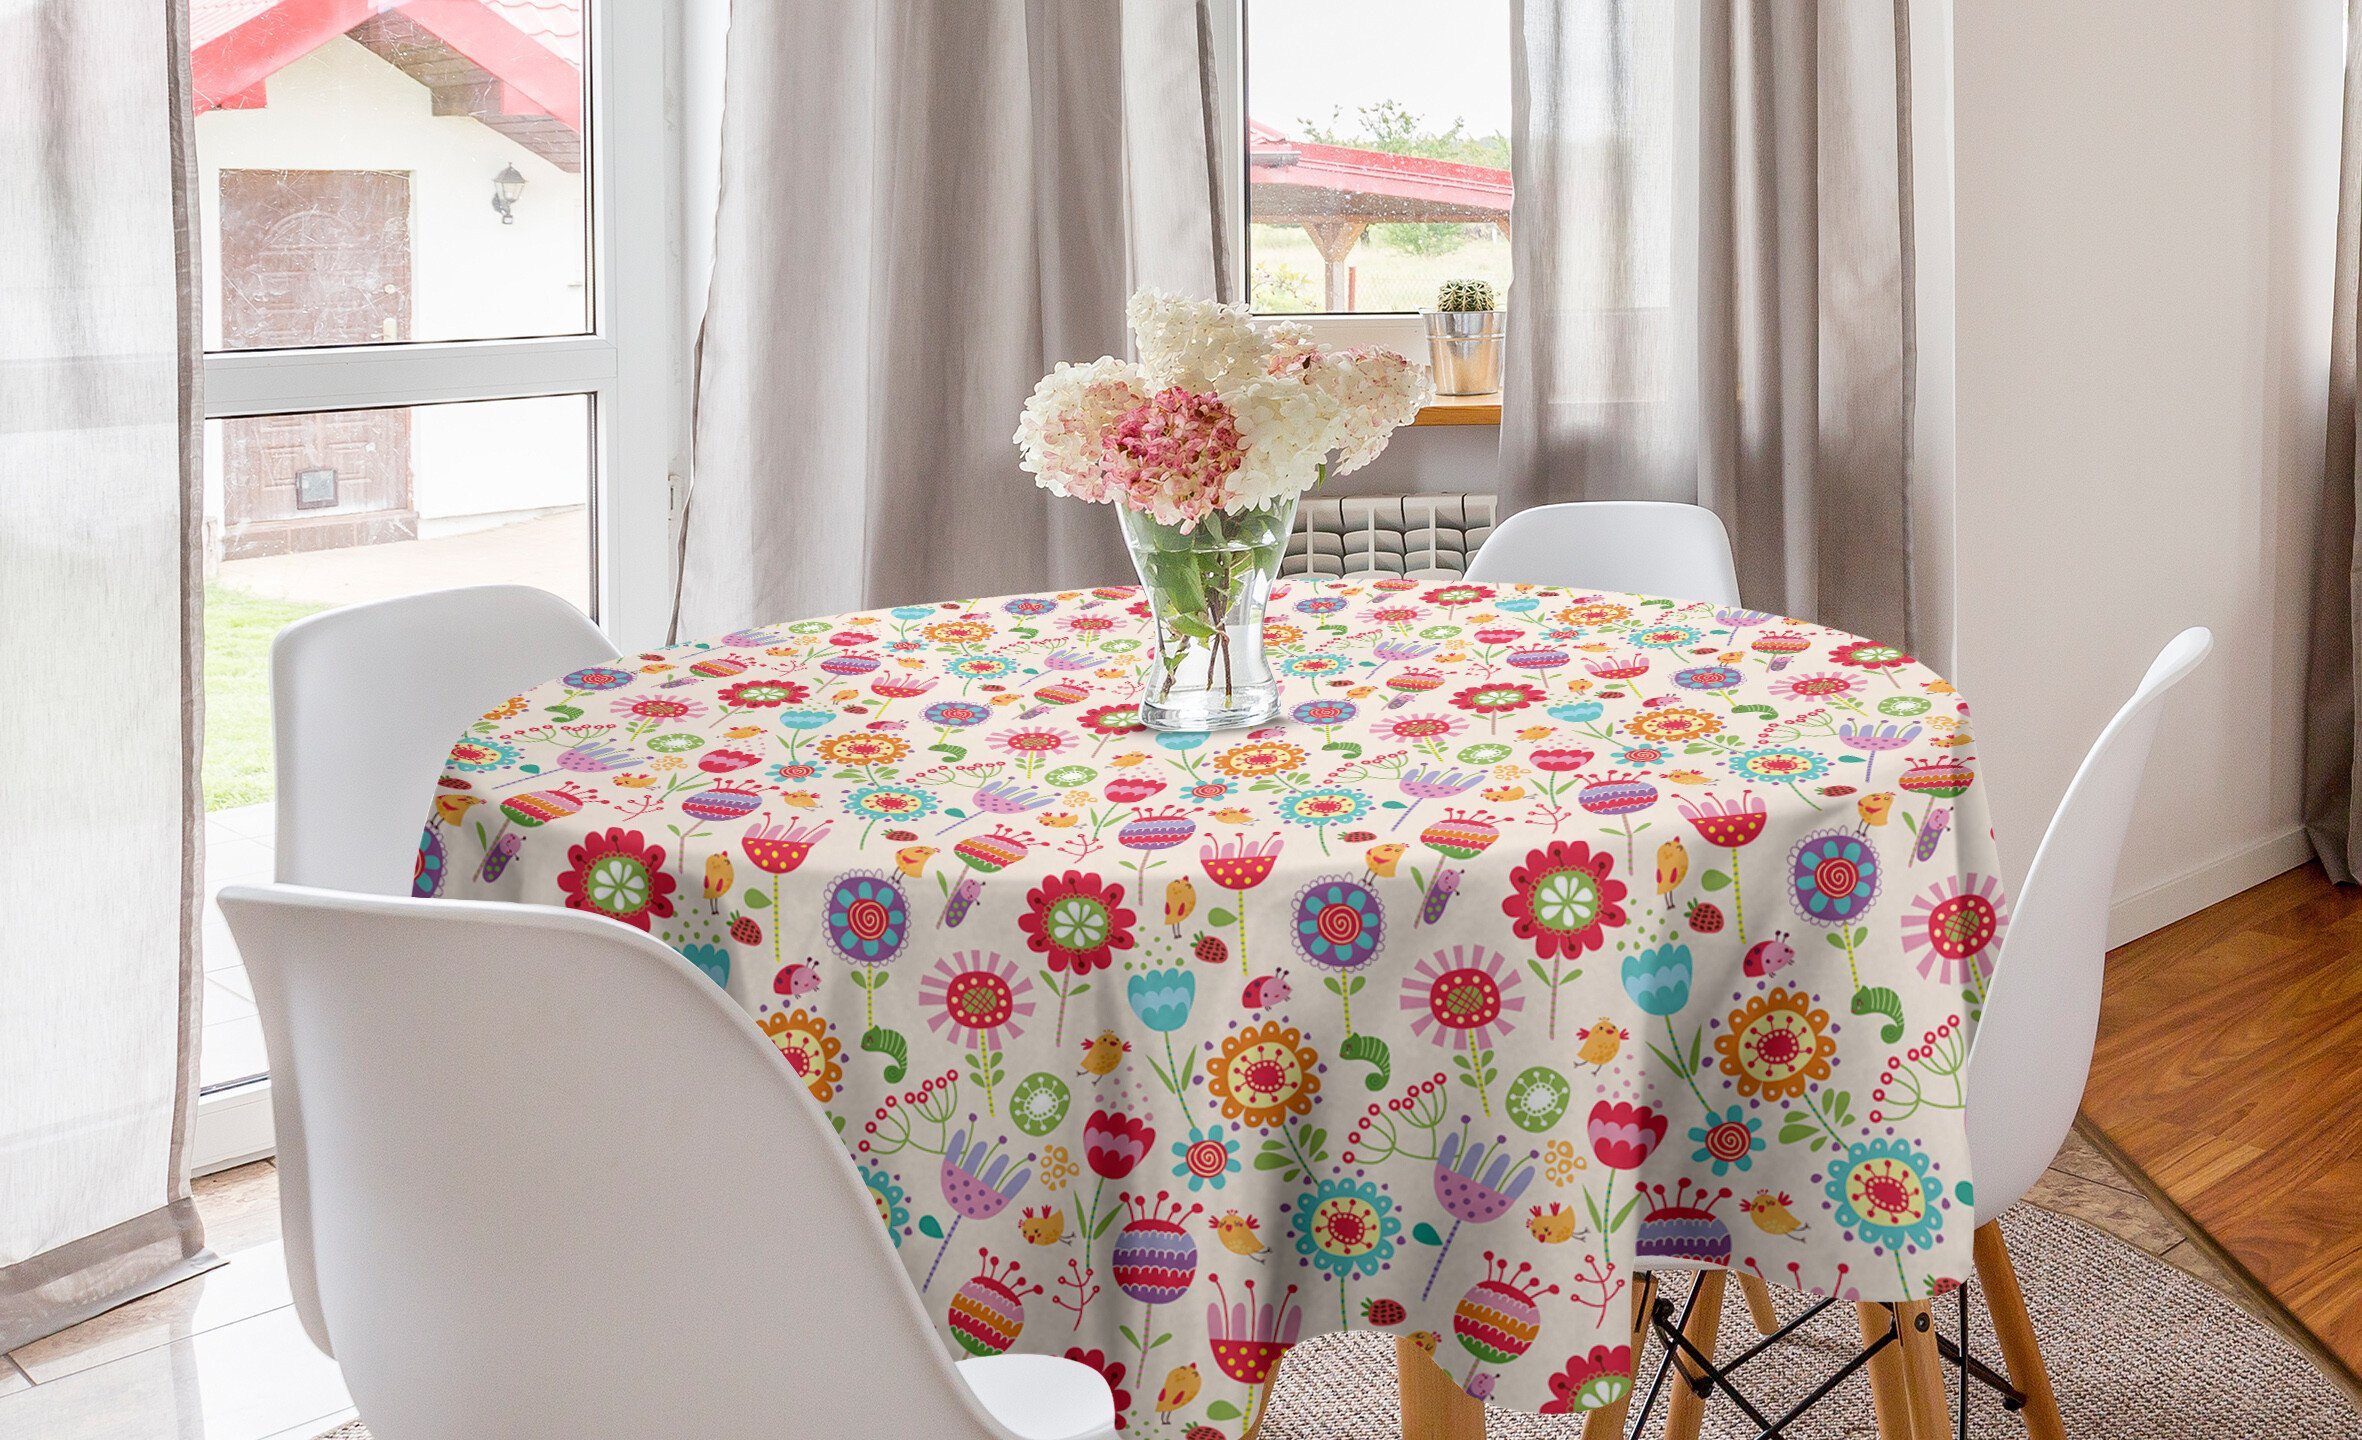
1551	938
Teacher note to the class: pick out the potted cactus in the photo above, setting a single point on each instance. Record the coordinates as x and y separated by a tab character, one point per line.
1466	333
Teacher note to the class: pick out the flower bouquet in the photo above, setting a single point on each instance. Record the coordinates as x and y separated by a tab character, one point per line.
1203	445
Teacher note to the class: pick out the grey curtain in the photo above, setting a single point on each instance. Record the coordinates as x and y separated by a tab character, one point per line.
924	207
2332	745
99	807
1713	284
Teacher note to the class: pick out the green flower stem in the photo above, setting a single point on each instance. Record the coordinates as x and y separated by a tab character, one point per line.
1738	895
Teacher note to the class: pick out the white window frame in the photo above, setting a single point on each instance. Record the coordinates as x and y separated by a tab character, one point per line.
631	363
627	362
1403	331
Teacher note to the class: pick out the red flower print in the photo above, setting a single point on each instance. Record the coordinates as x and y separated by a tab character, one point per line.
1624	1134
1559	762
764	694
1591	1382
1078	920
1113	1144
1498	697
1563	898
1112	1371
619	875
1870	655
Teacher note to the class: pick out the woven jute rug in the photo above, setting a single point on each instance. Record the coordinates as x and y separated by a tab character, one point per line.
2137	1350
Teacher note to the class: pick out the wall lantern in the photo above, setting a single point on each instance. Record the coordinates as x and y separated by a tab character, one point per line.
506	187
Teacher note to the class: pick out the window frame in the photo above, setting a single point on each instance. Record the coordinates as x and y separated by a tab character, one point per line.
1403	331
630	361
626	360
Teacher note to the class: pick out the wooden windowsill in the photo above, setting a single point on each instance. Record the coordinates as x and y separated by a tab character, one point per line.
1461	410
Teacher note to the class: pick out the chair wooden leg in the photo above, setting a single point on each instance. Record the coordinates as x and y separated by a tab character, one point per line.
1608	1421
1889	1394
1759	1304
1923	1369
2020	1352
1434	1406
1687	1409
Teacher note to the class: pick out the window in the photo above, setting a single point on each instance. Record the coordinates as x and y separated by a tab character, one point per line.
439	329
1376	152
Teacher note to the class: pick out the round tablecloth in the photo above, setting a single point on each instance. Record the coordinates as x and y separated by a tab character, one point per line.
1552	934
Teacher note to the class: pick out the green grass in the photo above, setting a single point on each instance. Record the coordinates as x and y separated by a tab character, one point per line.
238	631
1386	278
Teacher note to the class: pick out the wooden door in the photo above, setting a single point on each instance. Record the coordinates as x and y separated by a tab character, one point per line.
309	258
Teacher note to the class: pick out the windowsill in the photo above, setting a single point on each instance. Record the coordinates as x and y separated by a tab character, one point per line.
1461	410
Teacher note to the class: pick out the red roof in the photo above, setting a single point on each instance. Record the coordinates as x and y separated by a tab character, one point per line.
532	47
1342	180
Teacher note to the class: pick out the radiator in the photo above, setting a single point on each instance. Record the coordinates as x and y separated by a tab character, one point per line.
1417	535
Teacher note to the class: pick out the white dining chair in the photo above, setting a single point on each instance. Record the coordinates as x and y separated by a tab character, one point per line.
541	1178
2032	1052
1638	547
366	700
2026	1071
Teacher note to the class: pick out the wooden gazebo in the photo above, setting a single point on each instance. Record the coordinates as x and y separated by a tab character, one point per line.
1337	191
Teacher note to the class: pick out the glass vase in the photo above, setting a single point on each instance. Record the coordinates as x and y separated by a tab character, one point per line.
1207	587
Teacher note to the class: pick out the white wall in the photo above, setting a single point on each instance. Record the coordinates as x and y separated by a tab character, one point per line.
2144	211
343	108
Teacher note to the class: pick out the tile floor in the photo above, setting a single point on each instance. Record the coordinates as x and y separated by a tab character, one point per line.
237	852
223	1357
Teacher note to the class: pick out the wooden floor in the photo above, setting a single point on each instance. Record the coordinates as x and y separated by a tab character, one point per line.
2228	1081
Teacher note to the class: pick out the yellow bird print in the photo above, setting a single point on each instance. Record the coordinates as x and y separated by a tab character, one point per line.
1058	820
1672	868
1504	794
1103	1052
1876	807
1180	1387
1552	1225
1426	1340
1046	1226
718	874
1238	1234
451	808
1771	1214
1180	899
912	860
743	732
1601	1042
1234	815
1383	859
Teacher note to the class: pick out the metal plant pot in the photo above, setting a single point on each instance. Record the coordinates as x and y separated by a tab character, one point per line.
1465	347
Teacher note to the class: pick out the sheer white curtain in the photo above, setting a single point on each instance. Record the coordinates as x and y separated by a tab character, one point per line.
98	731
923	207
1714	288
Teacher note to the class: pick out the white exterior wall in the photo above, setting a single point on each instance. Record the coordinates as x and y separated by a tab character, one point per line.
343	108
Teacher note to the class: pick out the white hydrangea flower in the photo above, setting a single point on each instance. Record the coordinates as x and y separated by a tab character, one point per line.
1371	392
1066	421
1198	345
1285	426
1216	414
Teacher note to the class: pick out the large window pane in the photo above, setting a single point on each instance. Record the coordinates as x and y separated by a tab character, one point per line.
391	171
305	512
1377	151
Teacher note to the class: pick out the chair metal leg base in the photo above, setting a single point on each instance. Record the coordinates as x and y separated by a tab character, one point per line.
1902	1350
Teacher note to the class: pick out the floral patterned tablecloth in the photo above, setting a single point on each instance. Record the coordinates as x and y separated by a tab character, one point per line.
1552	933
